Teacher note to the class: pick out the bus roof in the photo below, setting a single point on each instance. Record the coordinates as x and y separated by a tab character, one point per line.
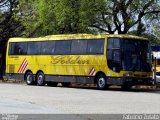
75	36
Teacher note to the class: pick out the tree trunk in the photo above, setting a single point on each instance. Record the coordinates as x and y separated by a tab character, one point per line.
3	62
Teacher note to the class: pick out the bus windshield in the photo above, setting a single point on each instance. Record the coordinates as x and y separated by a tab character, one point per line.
135	55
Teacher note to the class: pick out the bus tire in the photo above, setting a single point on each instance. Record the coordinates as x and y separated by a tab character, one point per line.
40	79
102	82
66	84
52	84
29	78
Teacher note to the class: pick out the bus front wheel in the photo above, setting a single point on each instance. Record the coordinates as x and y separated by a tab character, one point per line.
40	79
102	82
29	78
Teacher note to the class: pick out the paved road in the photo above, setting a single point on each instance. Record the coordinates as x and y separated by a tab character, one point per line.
21	98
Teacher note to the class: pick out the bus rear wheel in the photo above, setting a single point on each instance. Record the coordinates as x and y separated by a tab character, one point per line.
29	78
102	82
40	79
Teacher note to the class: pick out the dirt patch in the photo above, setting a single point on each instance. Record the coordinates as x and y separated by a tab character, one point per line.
12	81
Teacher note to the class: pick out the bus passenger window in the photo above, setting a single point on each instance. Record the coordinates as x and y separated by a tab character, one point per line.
95	46
48	48
11	48
34	48
18	48
63	47
79	47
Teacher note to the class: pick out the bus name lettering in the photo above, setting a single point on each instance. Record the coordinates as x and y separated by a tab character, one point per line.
68	60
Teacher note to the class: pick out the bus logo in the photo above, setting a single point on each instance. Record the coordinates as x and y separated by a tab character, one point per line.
92	71
23	66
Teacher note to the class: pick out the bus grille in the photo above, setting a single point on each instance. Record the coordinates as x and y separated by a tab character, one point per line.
11	68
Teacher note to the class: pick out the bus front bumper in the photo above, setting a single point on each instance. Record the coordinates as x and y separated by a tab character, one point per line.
130	81
137	81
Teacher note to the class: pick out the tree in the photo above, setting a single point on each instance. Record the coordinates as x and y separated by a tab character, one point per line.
60	16
85	16
123	16
9	27
156	30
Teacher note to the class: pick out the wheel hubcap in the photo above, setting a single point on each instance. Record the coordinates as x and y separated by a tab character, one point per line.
101	82
29	79
40	79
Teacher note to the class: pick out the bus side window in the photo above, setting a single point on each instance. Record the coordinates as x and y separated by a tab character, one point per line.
34	48
48	47
19	48
63	47
95	46
22	48
79	47
51	47
16	49
52	50
11	48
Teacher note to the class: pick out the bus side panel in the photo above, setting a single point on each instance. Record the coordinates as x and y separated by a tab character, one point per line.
74	64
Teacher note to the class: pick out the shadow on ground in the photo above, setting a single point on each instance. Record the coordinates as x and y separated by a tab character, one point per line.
145	90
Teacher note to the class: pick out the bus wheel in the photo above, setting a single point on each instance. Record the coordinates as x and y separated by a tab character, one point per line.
29	78
52	84
66	84
40	79
102	82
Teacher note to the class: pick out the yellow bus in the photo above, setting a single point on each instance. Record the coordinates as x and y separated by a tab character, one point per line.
104	60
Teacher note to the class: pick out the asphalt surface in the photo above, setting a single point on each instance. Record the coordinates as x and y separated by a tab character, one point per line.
23	99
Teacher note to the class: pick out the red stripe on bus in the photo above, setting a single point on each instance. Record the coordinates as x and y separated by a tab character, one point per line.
92	71
21	65
24	64
24	67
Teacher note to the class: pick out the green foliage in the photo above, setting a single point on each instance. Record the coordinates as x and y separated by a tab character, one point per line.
156	31
44	17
